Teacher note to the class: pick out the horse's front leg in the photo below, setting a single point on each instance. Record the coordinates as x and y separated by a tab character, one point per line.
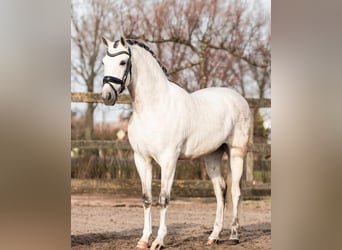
144	168
168	168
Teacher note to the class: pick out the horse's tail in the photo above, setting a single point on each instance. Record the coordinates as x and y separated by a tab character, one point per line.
226	149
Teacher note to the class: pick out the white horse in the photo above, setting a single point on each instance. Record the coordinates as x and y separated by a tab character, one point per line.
168	124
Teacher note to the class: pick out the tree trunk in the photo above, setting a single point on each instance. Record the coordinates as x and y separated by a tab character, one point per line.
203	79
89	121
89	127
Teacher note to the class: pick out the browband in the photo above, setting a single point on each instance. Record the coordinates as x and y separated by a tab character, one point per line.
118	53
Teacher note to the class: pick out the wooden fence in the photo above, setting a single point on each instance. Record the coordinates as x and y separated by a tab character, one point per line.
261	148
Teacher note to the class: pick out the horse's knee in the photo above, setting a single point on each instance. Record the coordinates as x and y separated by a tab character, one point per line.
164	200
147	201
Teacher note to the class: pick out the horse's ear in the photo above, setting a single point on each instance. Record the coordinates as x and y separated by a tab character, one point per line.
123	41
105	41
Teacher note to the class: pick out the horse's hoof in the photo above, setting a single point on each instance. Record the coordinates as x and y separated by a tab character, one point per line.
233	241
156	246
142	245
212	241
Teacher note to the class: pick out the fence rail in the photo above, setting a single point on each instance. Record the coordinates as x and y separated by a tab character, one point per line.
254	103
260	148
125	99
96	98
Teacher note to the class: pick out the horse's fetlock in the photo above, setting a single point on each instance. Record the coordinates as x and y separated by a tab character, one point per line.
235	223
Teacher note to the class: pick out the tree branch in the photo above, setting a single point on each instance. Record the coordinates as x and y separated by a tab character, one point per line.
237	55
190	65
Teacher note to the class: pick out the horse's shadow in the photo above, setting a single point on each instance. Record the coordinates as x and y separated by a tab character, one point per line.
176	237
247	233
93	238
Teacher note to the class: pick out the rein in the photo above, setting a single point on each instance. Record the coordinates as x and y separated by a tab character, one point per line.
114	80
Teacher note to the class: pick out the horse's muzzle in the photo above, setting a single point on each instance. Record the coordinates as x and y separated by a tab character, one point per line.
108	95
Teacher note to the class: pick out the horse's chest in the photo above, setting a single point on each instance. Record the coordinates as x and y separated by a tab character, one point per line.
151	137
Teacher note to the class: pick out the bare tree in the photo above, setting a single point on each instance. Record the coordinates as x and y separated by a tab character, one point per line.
204	44
215	43
89	20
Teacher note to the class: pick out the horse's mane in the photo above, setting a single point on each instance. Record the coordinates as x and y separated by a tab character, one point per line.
144	46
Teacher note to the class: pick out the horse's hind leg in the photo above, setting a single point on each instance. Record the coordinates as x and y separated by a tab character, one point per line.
213	166
238	147
236	165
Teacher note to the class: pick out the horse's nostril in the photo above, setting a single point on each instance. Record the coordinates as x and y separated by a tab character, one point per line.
109	96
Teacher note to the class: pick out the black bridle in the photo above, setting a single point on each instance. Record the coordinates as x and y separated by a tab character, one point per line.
114	80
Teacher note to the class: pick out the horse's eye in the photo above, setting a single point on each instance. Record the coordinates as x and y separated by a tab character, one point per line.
122	63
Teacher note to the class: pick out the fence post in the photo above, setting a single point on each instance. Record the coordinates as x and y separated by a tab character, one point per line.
250	155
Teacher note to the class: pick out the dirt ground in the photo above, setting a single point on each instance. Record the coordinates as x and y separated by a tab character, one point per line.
112	222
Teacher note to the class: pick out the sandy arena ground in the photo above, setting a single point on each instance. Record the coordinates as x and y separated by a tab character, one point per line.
111	222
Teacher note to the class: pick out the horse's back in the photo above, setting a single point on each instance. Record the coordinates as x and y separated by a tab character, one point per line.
218	94
222	102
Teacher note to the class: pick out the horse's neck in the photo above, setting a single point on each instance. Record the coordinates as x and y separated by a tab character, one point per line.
149	84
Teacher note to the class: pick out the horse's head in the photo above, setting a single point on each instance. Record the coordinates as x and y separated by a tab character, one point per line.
117	69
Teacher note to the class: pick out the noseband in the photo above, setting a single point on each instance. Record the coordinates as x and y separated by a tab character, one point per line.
111	79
